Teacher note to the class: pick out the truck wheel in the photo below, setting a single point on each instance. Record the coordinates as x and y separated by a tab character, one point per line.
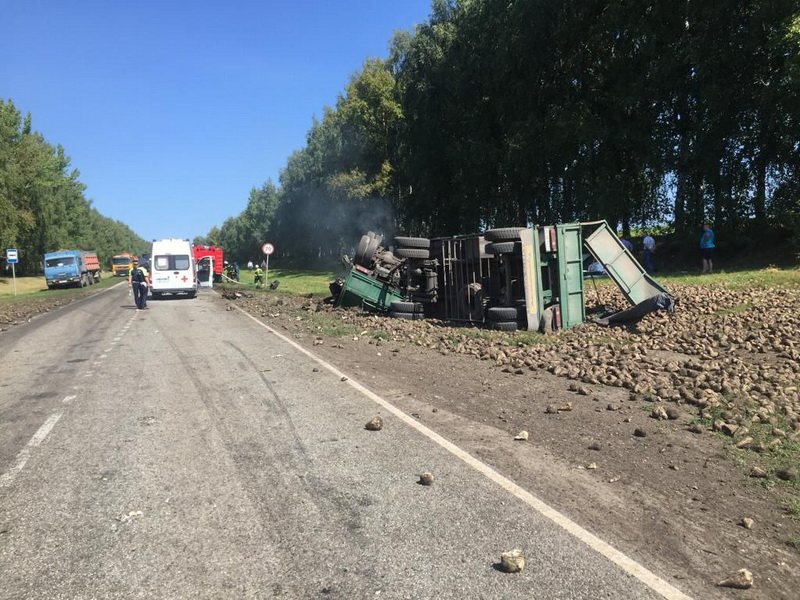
412	253
406	307
503	325
412	242
372	246
502	247
502	313
406	315
503	234
193	294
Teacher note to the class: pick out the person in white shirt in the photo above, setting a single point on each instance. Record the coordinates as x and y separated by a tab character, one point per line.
649	244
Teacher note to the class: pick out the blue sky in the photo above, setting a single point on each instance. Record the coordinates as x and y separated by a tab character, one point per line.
172	110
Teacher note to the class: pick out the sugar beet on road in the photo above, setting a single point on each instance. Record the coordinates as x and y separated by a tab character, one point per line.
186	452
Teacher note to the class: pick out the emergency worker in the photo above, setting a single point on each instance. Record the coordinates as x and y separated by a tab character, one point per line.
139	280
258	276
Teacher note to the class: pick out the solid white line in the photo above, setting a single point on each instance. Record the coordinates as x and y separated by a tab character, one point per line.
7	478
627	564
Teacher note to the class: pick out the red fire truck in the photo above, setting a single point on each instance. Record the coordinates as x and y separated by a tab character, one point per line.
217	255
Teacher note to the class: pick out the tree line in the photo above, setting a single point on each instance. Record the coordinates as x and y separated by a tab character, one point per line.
42	202
497	113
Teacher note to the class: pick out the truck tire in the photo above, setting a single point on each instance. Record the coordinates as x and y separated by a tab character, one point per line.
412	253
503	248
406	315
502	313
192	294
503	325
503	234
407	307
374	242
412	242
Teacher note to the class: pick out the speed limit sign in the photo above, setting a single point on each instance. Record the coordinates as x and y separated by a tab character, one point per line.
268	248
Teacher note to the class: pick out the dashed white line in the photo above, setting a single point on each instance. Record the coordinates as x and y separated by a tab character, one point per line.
627	564
68	399
7	478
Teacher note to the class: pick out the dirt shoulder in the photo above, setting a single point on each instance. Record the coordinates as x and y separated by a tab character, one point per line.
632	433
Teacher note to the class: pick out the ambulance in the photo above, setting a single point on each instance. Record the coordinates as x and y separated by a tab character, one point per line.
172	268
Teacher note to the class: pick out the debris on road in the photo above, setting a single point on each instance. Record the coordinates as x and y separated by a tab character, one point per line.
741	580
374	424
521	436
512	561
426	478
131	515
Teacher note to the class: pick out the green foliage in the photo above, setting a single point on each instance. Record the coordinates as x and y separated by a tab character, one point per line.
42	201
510	113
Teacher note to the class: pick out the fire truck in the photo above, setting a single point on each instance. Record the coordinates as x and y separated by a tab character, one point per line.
217	259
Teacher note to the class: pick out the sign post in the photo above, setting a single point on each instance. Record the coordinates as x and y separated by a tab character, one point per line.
12	257
267	249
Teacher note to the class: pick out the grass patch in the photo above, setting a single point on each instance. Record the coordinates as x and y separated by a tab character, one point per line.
793	542
760	278
29	288
331	325
294	282
792	507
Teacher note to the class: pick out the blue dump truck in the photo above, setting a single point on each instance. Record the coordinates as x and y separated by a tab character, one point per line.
71	268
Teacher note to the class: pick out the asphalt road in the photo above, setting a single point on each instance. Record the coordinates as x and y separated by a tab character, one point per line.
186	452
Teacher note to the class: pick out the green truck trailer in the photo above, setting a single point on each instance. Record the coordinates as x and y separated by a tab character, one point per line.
507	278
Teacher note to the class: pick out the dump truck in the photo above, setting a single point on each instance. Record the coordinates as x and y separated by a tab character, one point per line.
121	264
507	278
71	268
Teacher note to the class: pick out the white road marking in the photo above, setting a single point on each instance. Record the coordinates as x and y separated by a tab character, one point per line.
68	399
107	350
627	564
7	478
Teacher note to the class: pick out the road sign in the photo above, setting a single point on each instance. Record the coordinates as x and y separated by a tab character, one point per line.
268	248
12	256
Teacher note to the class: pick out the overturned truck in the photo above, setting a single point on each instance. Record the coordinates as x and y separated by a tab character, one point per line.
509	278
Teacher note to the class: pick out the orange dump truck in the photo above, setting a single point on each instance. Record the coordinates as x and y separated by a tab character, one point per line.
121	264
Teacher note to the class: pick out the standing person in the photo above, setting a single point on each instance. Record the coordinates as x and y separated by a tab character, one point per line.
649	244
133	288
139	281
258	277
707	248
628	244
249	265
